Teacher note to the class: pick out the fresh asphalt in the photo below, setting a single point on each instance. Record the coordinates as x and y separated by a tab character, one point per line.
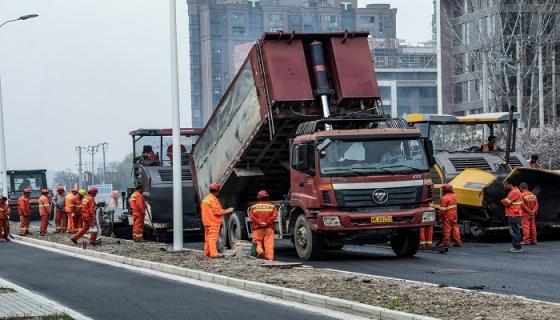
476	265
101	291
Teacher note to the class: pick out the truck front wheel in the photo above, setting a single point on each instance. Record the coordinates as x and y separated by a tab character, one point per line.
406	242
308	243
236	228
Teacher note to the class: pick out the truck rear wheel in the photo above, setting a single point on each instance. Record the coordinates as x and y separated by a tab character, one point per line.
406	242
236	228
308	243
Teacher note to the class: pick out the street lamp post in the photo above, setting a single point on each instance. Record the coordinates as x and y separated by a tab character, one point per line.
3	164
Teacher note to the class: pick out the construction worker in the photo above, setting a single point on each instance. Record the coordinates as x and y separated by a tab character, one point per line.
4	218
88	217
24	210
263	214
212	213
138	207
115	194
533	162
60	216
513	204
530	209
448	216
491	145
78	221
69	209
44	211
169	152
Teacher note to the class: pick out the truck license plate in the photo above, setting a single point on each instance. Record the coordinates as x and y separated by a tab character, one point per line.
382	219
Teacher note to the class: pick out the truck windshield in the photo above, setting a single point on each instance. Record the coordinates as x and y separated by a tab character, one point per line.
465	138
34	181
160	149
352	157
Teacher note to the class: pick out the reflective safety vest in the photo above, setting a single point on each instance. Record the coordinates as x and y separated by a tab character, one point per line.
44	206
448	207
263	214
530	203
513	203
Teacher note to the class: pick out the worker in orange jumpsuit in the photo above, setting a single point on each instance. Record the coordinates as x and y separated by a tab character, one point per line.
426	236
44	211
89	218
513	204
69	208
448	216
492	145
534	162
115	194
24	210
530	209
263	214
212	213
4	219
78	207
60	216
138	207
169	152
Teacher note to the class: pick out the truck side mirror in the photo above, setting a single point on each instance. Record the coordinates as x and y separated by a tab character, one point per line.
429	147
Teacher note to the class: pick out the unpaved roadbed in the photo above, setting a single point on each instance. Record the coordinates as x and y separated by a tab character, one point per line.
434	301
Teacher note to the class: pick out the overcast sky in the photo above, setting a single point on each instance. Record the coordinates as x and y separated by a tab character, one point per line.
90	71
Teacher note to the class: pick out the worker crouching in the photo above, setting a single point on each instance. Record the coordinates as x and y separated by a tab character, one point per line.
212	216
88	217
44	211
448	216
138	207
263	214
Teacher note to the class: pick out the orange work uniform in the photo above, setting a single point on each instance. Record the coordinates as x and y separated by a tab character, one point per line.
426	236
138	207
88	218
4	221
488	148
513	203
24	210
69	207
530	208
534	165
77	217
212	213
263	214
448	215
44	213
115	194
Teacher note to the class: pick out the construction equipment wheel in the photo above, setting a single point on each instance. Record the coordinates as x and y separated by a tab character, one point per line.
236	228
223	244
308	243
406	242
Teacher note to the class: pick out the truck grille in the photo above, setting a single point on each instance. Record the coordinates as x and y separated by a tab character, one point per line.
167	175
461	164
402	196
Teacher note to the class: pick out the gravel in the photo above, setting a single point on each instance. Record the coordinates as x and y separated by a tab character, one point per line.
422	299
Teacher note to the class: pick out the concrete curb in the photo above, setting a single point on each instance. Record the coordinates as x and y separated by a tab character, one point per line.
346	306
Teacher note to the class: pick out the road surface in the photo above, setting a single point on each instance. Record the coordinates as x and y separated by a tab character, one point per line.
101	291
486	266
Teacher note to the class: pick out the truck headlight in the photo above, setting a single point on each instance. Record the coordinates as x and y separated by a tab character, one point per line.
429	216
331	221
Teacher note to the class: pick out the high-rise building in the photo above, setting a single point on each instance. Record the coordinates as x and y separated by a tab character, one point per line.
217	27
494	54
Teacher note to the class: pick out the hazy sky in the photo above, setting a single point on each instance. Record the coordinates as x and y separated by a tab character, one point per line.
90	71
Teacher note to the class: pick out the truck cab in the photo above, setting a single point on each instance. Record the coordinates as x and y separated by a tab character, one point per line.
352	184
18	180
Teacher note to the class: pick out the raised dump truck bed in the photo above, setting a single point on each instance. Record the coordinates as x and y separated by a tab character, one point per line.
248	135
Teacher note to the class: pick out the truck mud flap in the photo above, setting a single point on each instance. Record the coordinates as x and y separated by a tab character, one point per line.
545	184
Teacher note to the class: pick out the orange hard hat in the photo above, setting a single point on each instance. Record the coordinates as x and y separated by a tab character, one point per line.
60	188
27	190
262	194
93	190
447	188
215	187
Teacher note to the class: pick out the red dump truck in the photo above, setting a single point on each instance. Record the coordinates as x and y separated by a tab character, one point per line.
303	120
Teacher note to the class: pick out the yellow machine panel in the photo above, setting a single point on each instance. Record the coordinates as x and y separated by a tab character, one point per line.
469	186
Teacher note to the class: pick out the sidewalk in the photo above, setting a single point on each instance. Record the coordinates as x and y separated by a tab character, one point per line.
17	302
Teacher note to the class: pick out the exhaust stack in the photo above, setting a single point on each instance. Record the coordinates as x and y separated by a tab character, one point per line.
322	87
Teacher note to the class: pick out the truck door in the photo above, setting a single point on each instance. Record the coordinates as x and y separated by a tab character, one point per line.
302	180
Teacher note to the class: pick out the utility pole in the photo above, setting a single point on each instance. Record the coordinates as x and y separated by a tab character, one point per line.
554	115
79	149
541	87
104	147
93	150
519	57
